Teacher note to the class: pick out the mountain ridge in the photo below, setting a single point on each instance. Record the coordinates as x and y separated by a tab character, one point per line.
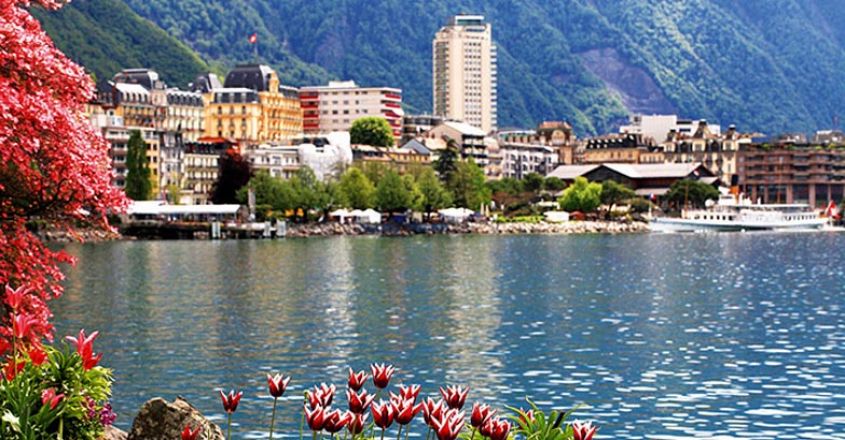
765	66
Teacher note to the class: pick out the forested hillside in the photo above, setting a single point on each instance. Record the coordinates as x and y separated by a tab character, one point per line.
767	66
107	36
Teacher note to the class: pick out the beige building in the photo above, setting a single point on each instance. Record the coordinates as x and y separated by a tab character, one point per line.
252	107
335	107
464	72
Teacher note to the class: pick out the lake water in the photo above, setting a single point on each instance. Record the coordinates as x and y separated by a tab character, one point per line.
660	336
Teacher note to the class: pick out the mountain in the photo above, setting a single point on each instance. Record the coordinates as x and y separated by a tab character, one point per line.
766	66
106	36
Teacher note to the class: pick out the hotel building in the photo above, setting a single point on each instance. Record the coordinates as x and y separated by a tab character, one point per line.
464	72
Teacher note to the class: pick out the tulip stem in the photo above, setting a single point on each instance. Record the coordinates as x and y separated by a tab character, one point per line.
471	437
273	417
406	432
229	427
382	433
399	434
301	425
428	433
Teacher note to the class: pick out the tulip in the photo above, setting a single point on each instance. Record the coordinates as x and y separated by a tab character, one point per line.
405	410
358	403
455	396
230	405
583	431
21	323
14	297
480	414
322	395
85	348
432	410
277	384
449	425
357	380
409	392
50	398
382	415
315	417
37	356
356	424
486	429
498	429
382	374
12	369
334	421
188	434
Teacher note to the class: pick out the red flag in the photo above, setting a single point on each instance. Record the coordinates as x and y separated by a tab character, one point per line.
253	39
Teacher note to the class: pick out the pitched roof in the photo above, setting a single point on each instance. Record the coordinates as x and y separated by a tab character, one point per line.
570	172
654	170
465	128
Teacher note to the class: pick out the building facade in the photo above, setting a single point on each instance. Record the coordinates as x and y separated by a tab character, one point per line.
793	173
464	72
335	107
525	152
252	107
656	128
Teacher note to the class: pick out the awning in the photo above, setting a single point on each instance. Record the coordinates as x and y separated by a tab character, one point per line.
646	192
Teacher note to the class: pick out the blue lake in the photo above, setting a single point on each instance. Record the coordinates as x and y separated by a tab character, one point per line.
660	336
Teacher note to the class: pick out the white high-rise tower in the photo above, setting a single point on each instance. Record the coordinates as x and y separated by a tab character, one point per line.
464	72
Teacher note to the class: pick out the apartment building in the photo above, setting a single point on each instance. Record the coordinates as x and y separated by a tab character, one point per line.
334	107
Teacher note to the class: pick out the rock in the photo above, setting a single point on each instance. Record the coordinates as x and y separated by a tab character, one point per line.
160	420
113	433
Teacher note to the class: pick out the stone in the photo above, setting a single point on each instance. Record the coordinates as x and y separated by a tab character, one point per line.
113	433
161	420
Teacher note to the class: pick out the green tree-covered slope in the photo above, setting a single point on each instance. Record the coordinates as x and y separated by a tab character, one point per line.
106	36
767	66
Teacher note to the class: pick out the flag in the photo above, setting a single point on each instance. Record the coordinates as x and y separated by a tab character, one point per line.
253	39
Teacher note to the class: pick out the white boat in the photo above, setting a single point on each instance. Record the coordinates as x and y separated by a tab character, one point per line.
733	213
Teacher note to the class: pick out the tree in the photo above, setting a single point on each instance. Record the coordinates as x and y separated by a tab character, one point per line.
467	185
582	196
358	191
305	189
372	130
328	197
270	192
138	184
233	174
691	192
434	195
533	182
54	167
446	162
392	194
613	193
554	184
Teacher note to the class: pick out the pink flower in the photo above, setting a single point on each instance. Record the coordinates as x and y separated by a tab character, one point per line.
21	325
526	417
15	297
382	374
85	348
50	398
277	384
455	396
583	431
357	380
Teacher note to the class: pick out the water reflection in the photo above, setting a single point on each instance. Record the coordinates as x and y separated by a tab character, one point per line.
728	336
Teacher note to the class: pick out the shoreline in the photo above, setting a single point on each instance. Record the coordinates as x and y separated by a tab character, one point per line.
386	230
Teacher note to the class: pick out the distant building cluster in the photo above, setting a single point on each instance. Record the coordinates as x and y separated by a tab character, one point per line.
280	129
